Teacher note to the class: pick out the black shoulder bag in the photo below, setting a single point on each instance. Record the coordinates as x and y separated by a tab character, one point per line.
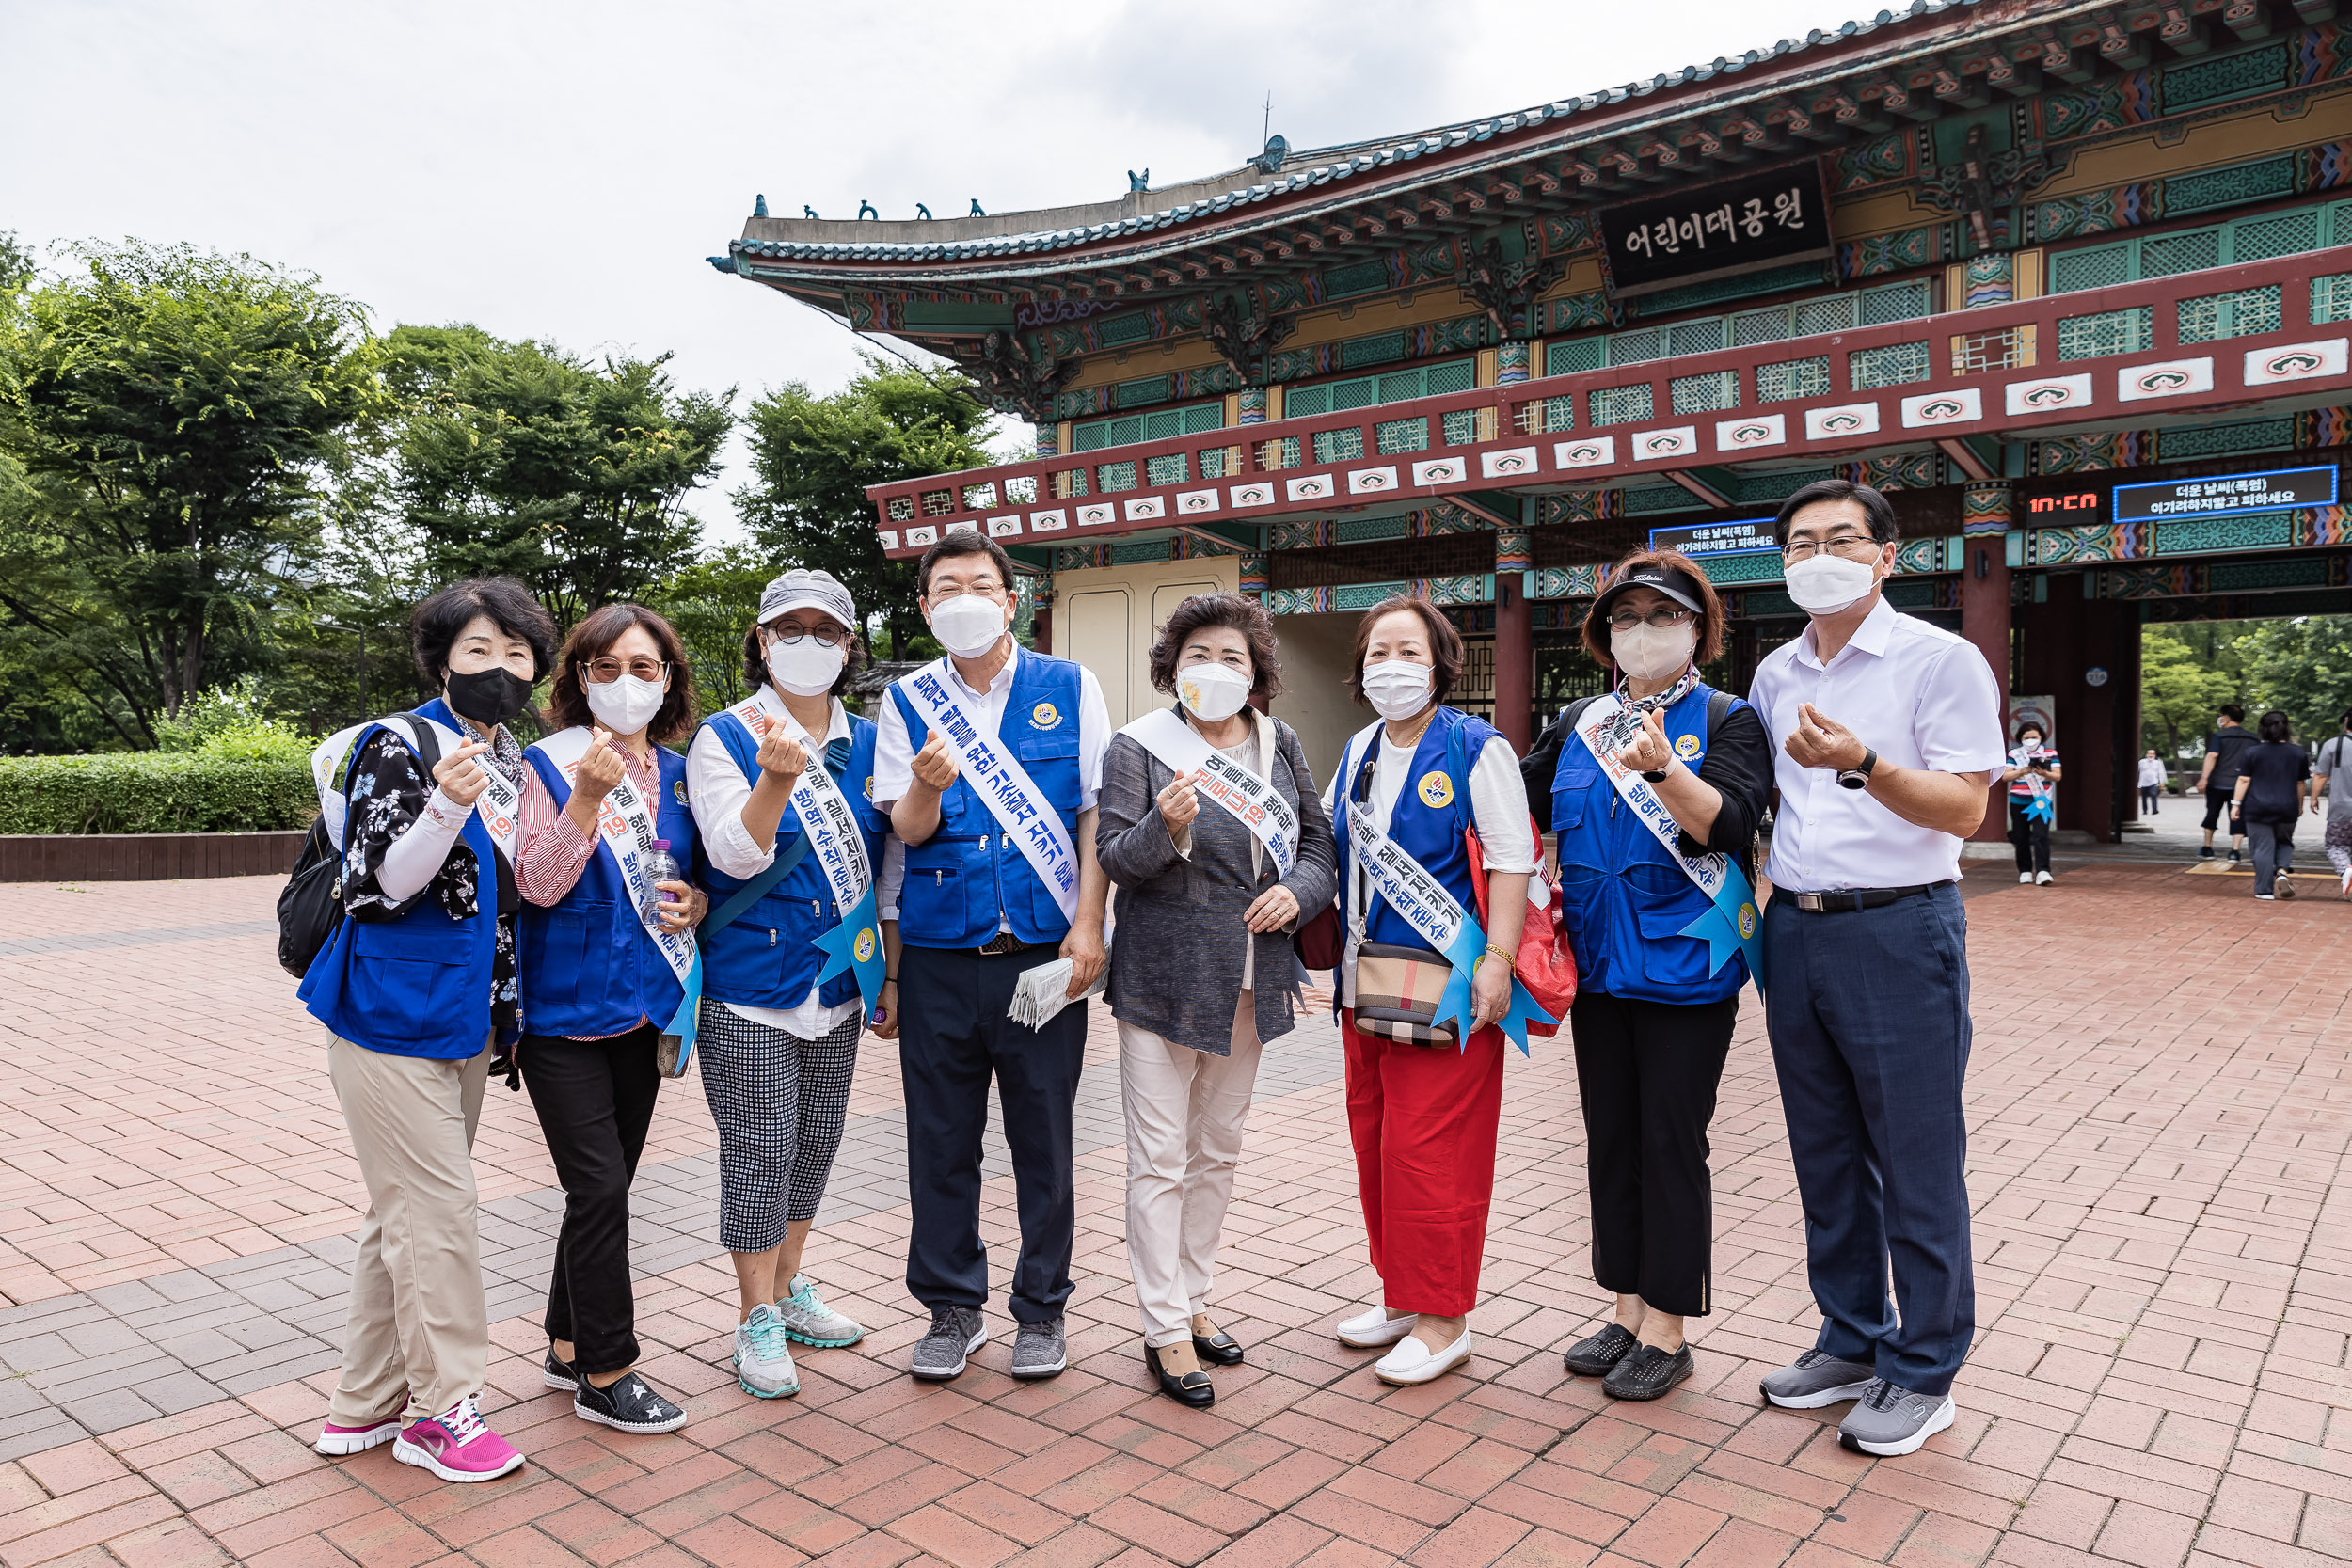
311	905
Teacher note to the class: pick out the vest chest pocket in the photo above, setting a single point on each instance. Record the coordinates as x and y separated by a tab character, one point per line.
1570	789
403	969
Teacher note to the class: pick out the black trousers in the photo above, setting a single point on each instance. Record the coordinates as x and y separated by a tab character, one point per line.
595	1099
2030	837
953	1036
1647	1072
2218	802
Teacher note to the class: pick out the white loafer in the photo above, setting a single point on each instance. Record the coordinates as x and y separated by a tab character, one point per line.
1374	1328
1414	1362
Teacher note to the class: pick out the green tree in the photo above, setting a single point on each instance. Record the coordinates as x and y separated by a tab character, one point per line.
2302	666
17	266
169	415
519	458
712	603
812	458
2180	686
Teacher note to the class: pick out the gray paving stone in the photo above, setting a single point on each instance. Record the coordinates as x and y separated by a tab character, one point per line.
128	1296
178	1391
99	1413
258	1373
37	1352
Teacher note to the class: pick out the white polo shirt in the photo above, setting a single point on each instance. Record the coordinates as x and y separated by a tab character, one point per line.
1916	694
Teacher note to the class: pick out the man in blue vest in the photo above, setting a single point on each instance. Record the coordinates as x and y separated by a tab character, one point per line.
988	763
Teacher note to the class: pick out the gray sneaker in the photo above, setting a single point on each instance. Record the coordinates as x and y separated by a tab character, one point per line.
808	1319
763	1362
1890	1420
1816	1379
1037	1349
955	1333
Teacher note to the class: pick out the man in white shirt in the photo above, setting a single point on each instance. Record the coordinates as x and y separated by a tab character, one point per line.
995	811
1889	731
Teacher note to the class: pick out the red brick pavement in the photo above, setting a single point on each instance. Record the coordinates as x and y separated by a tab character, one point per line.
2159	1104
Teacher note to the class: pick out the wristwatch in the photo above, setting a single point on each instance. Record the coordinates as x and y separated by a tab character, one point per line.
1858	776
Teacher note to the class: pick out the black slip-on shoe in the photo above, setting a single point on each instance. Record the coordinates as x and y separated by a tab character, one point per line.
1192	1388
1596	1356
628	1405
1219	1348
558	1373
1648	1372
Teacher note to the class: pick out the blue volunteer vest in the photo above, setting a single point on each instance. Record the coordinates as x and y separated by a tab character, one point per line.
417	985
589	968
1432	813
1624	899
768	957
966	878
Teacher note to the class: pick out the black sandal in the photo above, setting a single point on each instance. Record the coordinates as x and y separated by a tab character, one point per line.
1192	1388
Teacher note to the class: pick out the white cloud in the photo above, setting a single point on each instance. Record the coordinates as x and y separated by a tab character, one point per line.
560	170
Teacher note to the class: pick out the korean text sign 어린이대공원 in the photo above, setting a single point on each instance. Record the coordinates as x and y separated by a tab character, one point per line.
1758	220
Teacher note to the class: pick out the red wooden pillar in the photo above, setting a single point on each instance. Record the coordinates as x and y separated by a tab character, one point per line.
1984	611
1042	627
1514	639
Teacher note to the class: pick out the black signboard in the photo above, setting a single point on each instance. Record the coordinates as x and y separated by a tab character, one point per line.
2077	503
1757	220
2225	495
1755	533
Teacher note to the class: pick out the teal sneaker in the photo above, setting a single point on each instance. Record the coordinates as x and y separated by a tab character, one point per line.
808	1319
763	1361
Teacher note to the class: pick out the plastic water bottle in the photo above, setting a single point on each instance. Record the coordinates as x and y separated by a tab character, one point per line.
659	866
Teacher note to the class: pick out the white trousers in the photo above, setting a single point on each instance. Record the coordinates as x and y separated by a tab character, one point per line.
1186	1113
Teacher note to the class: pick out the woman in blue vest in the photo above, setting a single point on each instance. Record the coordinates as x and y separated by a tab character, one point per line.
598	988
1653	1014
417	987
1423	1111
778	1048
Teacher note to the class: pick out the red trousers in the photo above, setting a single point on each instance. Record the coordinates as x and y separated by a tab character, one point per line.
1423	1122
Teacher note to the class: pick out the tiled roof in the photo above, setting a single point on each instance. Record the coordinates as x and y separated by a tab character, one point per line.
1443	138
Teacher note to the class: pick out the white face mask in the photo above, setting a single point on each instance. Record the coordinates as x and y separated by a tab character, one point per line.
1824	584
1212	692
1647	653
967	624
624	704
806	667
1397	687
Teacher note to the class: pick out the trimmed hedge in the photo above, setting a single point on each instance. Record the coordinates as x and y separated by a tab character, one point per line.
154	792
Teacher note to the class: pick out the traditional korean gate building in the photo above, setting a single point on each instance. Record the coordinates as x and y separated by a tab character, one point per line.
2072	281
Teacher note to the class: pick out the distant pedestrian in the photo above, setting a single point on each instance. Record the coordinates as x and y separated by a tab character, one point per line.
2271	780
2151	782
2224	750
2032	775
1890	729
2334	767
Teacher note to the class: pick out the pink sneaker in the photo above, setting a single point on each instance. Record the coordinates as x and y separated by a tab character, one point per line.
456	1445
335	1442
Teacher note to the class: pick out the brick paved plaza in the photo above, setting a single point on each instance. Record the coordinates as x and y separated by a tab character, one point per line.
2160	1108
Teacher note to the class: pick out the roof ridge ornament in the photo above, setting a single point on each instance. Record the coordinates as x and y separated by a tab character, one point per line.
1277	149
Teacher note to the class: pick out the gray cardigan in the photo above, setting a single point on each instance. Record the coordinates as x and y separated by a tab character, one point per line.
1176	965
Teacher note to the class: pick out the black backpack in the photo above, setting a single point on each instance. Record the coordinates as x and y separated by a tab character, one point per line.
311	906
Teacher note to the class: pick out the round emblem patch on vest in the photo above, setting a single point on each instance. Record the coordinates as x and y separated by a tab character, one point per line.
1747	921
1687	748
1045	716
1435	789
679	789
865	948
870	786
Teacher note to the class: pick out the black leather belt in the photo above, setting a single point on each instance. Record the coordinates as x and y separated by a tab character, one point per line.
1858	897
1004	941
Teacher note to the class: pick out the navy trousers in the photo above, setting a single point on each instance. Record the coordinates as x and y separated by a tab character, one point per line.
953	1036
1867	1010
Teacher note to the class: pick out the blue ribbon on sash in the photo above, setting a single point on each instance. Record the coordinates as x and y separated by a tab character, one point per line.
1732	923
856	945
689	1013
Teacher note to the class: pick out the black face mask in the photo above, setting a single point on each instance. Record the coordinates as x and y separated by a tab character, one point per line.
489	696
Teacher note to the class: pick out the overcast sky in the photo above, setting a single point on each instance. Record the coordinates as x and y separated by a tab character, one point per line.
559	171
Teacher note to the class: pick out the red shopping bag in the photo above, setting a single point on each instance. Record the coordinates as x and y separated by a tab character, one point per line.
1547	965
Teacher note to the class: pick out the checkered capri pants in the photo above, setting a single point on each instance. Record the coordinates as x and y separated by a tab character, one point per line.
779	1101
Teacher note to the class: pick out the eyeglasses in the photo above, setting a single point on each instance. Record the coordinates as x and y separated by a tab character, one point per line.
946	591
791	635
1664	616
1852	546
604	671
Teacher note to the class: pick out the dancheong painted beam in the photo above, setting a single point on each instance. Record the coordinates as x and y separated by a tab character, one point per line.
2033	366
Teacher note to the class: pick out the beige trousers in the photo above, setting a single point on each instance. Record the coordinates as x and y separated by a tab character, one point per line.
418	1338
1186	1113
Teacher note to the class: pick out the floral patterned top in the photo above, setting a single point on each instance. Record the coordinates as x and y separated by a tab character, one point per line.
389	791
